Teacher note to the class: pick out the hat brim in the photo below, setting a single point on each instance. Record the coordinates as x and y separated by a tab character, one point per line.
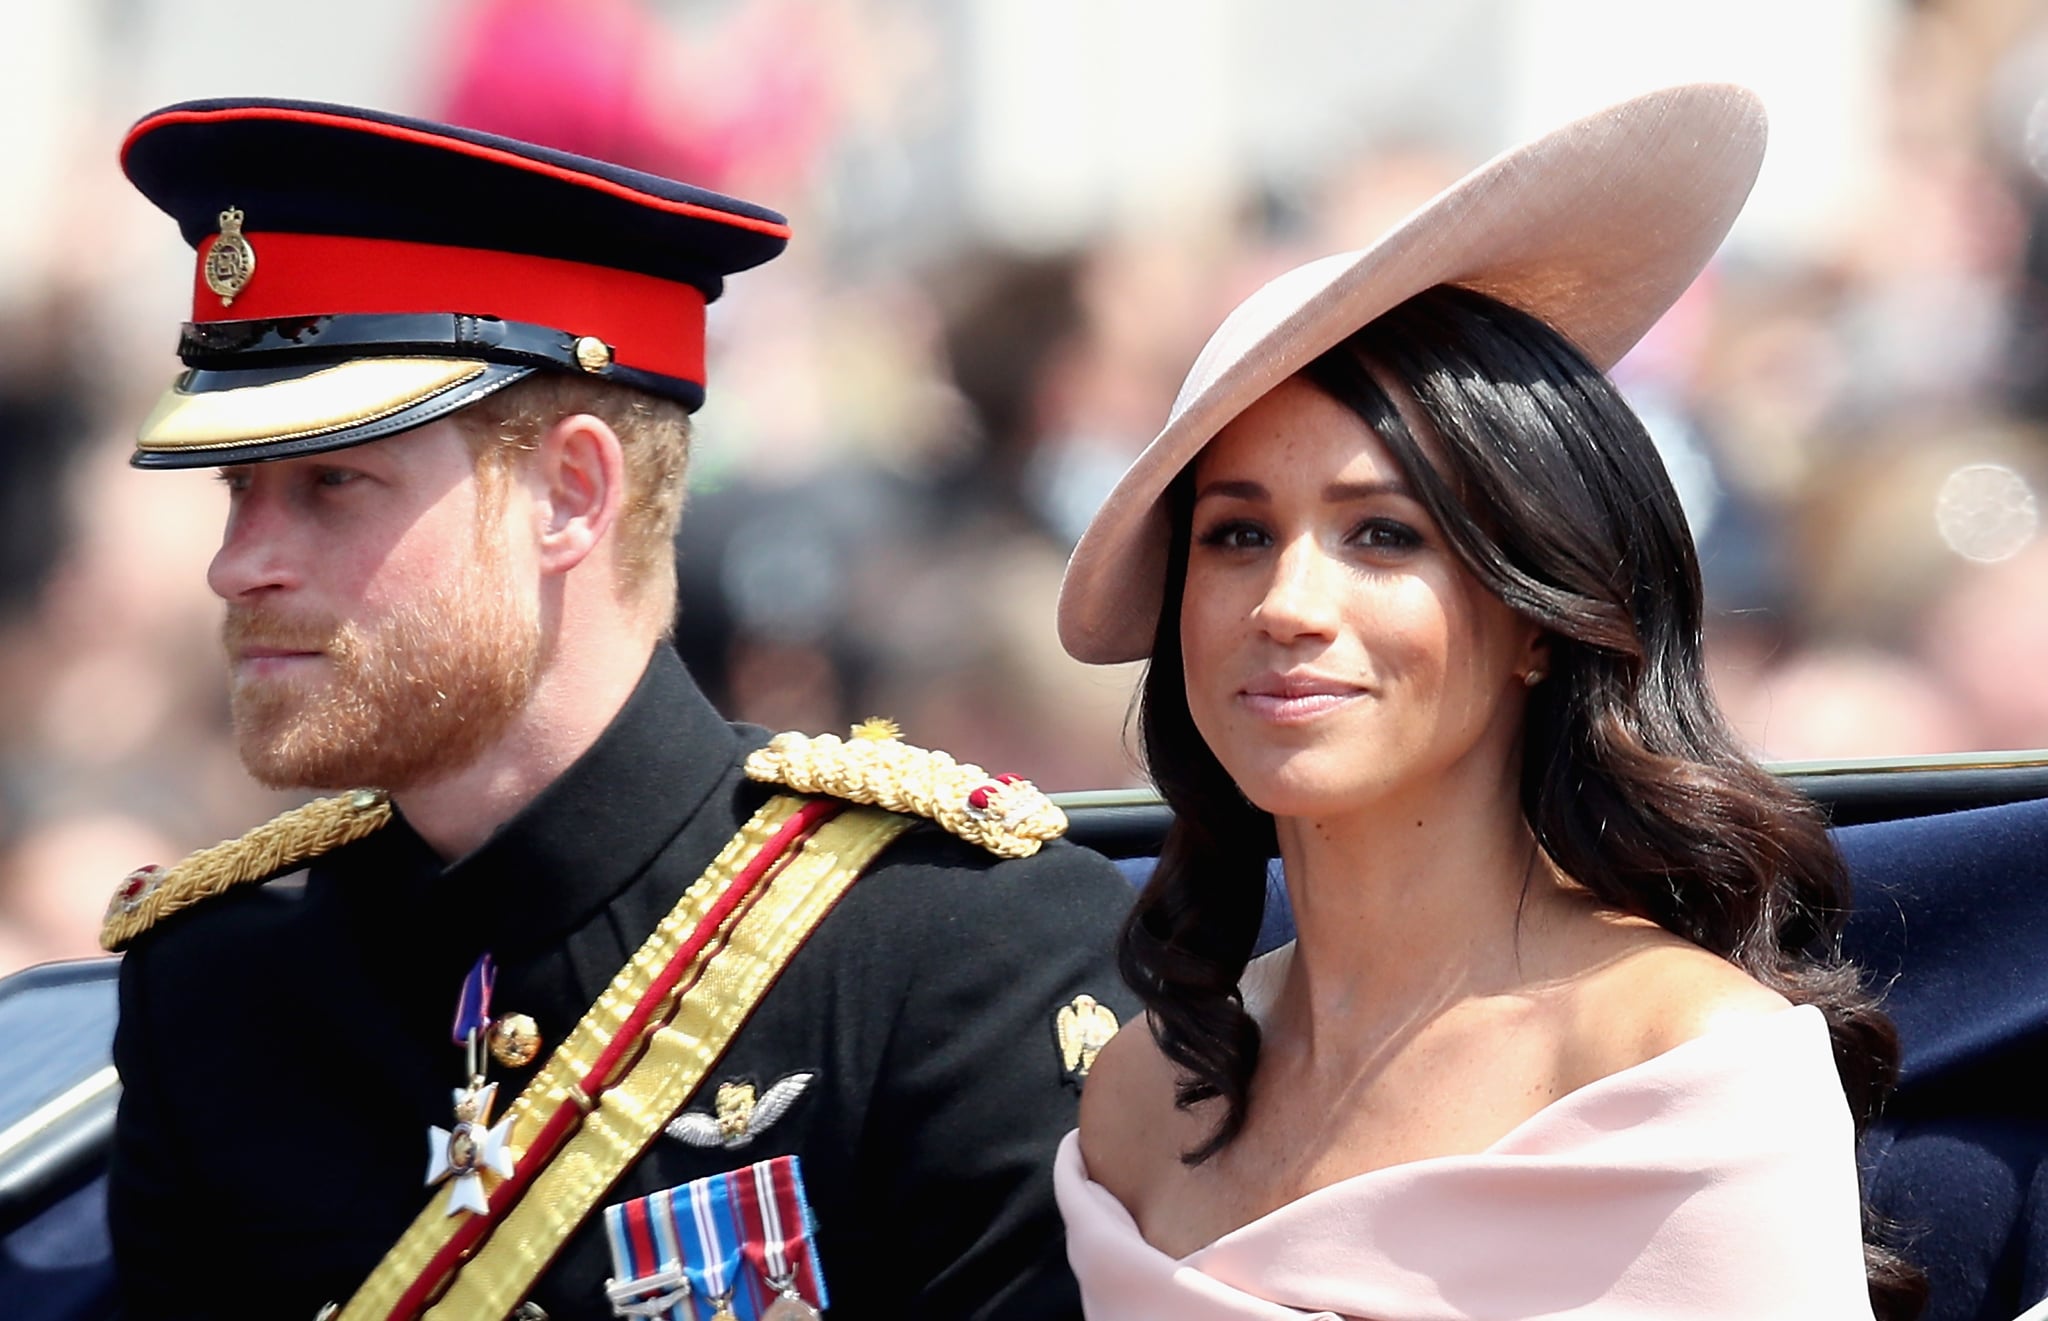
1595	229
212	418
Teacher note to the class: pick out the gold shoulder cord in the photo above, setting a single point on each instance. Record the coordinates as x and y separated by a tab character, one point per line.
151	895
731	979
1005	814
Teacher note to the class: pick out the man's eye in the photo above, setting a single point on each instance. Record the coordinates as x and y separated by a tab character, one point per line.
235	479
334	477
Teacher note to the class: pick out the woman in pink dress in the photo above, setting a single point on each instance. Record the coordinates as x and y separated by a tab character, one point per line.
1563	1032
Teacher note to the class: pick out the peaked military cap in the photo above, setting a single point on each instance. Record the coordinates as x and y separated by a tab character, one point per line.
360	274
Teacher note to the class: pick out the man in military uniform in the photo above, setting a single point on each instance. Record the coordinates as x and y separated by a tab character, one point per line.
684	1022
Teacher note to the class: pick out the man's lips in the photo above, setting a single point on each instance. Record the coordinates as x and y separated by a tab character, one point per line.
1287	698
248	662
272	653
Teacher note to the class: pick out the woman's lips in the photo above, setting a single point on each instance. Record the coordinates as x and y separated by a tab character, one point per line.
1292	699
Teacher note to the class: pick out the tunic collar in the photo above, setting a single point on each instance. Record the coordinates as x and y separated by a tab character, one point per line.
586	836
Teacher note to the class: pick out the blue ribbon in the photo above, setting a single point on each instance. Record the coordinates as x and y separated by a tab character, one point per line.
473	1010
710	1235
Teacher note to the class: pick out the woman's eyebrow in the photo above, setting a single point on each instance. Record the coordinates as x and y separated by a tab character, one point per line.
1334	493
1235	489
1341	492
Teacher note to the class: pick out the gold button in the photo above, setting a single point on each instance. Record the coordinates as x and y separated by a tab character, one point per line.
515	1040
593	354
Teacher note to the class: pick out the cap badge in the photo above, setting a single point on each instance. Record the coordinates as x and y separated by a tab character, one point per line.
230	262
1084	1027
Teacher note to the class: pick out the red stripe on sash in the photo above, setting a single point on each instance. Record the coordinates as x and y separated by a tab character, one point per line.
773	855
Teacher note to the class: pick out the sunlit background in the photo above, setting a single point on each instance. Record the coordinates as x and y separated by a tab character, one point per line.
1015	222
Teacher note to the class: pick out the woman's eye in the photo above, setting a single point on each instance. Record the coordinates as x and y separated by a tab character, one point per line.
1386	534
1234	535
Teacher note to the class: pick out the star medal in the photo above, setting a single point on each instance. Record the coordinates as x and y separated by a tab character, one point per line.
471	1147
474	1144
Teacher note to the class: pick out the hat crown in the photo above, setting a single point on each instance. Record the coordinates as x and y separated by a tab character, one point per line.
1261	314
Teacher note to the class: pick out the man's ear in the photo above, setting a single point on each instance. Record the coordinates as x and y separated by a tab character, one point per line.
579	473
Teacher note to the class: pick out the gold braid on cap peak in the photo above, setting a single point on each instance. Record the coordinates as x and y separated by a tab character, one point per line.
151	894
1005	814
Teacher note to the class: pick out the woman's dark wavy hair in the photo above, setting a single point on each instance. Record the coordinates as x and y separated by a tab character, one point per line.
1550	491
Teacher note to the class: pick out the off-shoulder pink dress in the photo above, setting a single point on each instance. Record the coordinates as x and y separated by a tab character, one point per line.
1717	1180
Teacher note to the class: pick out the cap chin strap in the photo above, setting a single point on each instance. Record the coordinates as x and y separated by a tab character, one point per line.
281	342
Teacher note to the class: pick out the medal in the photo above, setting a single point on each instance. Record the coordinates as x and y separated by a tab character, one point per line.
736	1244
474	1144
789	1305
471	1147
775	1227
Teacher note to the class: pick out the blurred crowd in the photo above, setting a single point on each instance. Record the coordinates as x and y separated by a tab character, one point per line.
909	425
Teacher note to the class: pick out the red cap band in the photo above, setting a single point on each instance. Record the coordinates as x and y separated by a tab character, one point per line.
651	324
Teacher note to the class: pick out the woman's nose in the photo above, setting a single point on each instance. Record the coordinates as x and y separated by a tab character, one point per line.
1300	596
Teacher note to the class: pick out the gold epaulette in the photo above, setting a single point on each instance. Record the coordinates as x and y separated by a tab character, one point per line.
1005	814
150	894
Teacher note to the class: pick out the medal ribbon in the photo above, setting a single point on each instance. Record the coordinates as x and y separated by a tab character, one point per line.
473	1008
647	1259
711	1242
776	1222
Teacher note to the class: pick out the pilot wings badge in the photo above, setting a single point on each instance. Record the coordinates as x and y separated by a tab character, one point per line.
740	1116
1084	1027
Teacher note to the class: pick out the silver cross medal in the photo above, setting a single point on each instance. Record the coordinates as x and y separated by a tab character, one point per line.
473	1145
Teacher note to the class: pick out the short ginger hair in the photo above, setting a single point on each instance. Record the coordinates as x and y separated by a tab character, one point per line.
654	436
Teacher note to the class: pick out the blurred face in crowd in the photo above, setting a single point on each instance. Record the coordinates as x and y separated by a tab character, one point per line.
1336	648
379	632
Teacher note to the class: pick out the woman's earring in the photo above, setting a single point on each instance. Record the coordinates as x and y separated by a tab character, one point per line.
1530	678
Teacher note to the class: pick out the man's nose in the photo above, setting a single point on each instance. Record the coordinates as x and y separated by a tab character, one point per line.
254	549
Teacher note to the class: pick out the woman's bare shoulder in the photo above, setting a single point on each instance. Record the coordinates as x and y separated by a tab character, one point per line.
1128	1117
1655	992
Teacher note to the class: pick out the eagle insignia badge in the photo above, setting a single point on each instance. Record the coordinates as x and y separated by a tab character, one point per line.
230	263
1084	1026
739	1115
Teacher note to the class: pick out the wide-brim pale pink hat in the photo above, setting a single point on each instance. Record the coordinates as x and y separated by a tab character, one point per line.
1595	229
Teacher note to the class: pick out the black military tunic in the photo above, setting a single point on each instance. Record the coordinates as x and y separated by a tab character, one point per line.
284	1050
